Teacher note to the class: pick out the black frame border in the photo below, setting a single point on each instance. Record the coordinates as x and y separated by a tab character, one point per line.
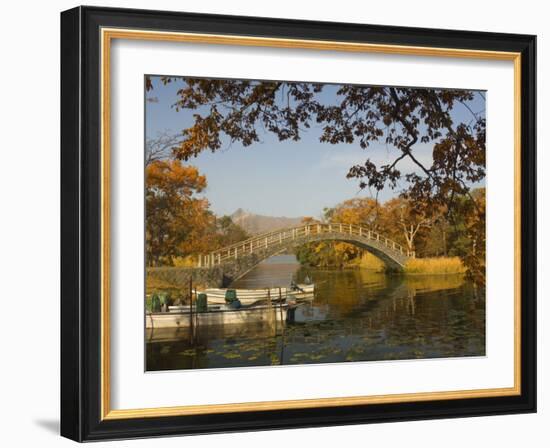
81	223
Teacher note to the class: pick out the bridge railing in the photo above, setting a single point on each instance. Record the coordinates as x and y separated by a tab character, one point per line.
284	236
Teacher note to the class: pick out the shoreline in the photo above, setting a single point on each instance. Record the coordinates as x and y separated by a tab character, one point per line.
389	272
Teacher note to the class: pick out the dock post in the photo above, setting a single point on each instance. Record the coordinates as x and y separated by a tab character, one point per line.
196	326
281	302
191	309
271	310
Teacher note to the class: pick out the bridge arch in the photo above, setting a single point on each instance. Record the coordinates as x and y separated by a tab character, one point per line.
237	259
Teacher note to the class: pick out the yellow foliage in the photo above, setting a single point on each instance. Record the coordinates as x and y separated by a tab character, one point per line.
418	283
437	265
154	284
177	220
369	262
185	262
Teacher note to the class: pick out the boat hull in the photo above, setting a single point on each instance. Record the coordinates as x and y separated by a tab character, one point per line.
252	296
184	319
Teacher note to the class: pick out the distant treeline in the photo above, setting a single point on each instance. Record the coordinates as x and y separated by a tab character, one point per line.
432	232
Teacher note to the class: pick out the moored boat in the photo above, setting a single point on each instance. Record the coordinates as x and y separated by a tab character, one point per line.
302	291
252	296
182	316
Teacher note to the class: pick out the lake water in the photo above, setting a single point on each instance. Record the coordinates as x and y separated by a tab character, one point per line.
356	315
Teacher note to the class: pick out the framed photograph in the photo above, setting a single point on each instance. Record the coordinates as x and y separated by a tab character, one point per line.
276	224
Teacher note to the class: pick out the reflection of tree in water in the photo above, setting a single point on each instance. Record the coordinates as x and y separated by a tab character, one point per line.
414	312
356	316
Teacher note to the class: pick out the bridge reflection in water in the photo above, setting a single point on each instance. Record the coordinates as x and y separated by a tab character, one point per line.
356	315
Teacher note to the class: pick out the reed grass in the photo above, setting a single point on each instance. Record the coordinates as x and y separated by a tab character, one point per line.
369	262
436	265
154	284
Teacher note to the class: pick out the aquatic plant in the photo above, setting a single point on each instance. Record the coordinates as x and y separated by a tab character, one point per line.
436	265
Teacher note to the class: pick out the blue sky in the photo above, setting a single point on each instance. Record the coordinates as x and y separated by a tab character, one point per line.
280	178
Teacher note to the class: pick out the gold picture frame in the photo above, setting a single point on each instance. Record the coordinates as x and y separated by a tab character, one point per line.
106	32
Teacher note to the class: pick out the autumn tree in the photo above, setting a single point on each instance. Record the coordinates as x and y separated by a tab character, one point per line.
358	211
467	233
177	221
229	232
407	219
435	241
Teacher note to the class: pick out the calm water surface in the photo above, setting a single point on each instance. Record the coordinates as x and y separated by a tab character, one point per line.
356	315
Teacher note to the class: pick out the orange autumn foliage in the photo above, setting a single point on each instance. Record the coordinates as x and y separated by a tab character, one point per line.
177	220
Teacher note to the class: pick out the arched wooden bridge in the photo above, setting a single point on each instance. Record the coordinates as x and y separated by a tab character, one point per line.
243	256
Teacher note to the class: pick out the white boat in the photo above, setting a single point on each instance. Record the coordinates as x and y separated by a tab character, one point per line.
251	296
180	316
302	291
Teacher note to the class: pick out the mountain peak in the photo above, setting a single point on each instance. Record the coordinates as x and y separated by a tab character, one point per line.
239	212
255	224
